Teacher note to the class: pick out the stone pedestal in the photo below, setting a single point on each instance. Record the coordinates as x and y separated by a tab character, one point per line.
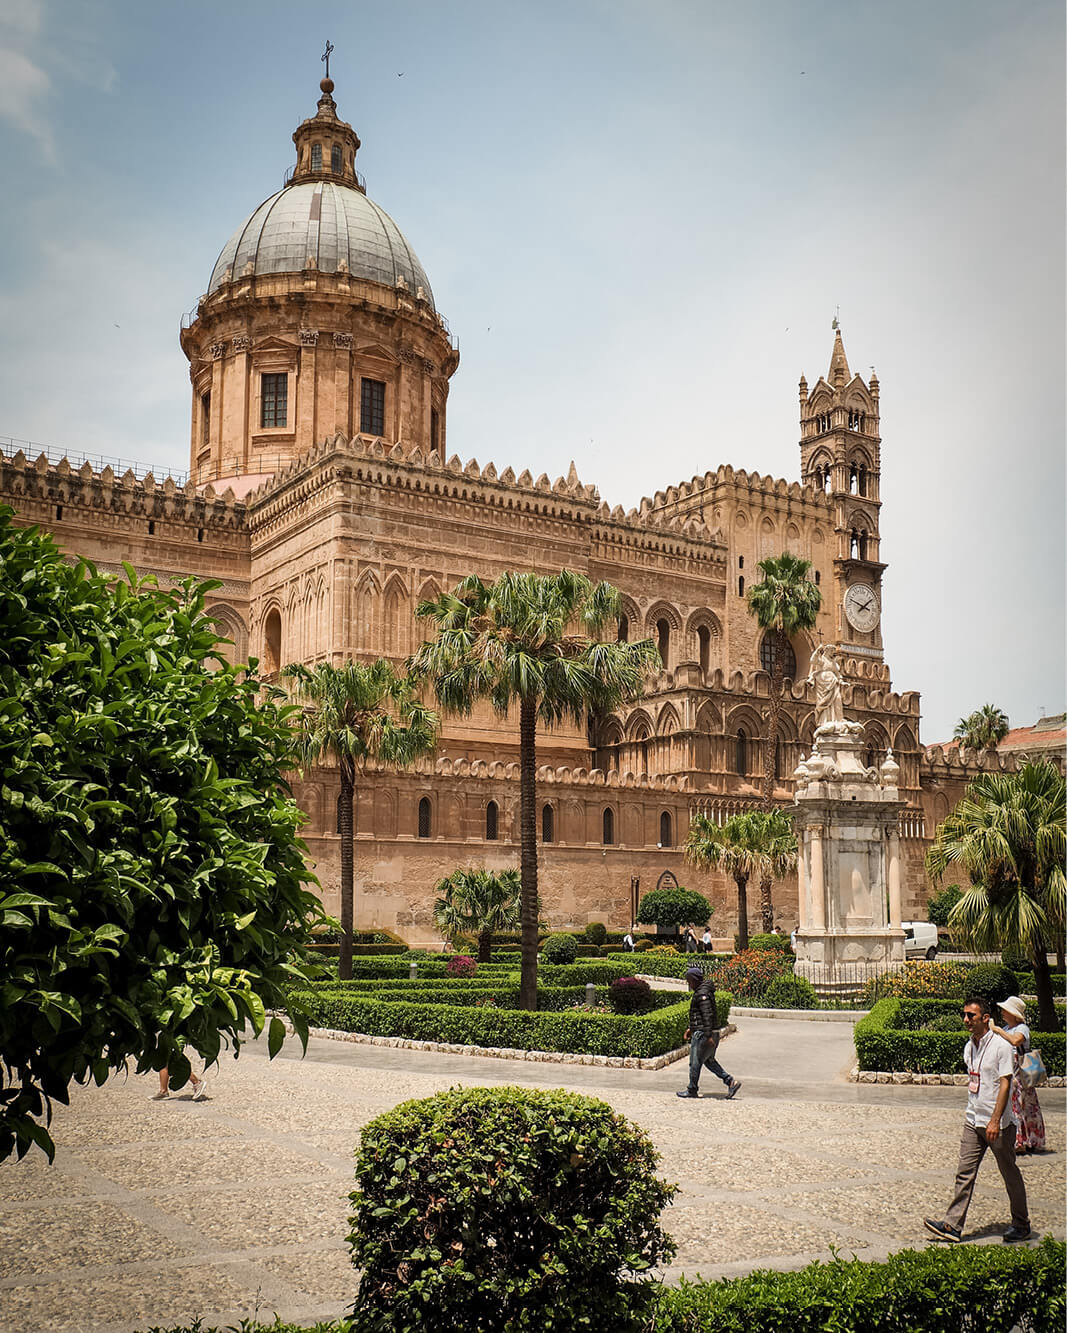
849	870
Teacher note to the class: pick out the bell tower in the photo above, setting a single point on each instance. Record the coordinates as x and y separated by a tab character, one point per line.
840	456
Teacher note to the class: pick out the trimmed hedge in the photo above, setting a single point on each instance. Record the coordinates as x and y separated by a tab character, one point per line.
578	1032
891	1038
550	999
954	1290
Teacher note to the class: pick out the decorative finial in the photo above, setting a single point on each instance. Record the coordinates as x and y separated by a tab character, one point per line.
836	322
327	83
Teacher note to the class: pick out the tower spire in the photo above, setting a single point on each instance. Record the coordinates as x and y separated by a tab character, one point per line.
839	374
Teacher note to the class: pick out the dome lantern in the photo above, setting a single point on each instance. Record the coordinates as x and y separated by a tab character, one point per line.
326	146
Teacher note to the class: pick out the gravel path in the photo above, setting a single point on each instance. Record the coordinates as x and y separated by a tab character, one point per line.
236	1206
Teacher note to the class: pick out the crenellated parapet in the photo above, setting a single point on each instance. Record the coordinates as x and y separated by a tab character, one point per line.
741	486
962	765
547	775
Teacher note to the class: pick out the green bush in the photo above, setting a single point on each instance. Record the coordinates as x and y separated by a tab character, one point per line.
1028	985
958	1290
640	946
938	980
764	942
749	974
1016	961
790	992
941	904
946	1023
560	949
628	995
892	1037
504	1208
992	980
673	907
596	932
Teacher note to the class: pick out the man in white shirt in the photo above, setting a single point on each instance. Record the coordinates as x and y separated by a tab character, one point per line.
987	1123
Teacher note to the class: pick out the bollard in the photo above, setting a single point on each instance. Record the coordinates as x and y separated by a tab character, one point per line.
590	994
413	971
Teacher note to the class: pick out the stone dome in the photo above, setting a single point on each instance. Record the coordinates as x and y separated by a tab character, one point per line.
334	225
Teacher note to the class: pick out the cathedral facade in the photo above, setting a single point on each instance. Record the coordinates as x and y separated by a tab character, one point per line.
323	496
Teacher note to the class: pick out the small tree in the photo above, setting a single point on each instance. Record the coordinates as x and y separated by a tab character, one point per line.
673	907
983	729
940	906
786	603
513	641
746	845
153	895
478	902
353	713
781	852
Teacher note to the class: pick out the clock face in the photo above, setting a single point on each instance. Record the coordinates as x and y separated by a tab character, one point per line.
861	607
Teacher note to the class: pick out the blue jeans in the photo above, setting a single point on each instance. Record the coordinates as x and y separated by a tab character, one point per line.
708	1061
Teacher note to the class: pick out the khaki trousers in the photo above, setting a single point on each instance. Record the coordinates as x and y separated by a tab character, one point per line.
973	1147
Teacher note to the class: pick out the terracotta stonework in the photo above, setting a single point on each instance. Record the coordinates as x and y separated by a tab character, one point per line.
322	494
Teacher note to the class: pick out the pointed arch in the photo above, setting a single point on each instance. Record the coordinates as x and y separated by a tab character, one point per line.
903	740
396	617
768	538
668	721
367	613
639	725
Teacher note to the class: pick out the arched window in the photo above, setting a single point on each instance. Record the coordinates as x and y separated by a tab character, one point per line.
818	578
548	824
704	642
663	636
861	480
666	835
771	649
272	643
316	157
609	827
741	586
425	817
624	630
741	753
335	159
853	474
862	545
492	821
870	756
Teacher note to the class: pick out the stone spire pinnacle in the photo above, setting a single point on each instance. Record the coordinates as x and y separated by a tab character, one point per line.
839	372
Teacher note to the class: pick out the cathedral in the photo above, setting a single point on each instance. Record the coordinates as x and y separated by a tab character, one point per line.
323	495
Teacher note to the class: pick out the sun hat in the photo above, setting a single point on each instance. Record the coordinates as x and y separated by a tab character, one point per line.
1014	1006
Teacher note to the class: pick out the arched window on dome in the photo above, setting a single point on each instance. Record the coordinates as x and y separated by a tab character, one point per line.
316	157
336	163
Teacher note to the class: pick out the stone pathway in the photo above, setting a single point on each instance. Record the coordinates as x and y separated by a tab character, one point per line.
236	1206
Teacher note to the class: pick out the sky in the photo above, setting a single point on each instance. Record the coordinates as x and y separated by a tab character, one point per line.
638	217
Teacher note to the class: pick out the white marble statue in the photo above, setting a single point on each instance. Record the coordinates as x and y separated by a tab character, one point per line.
826	676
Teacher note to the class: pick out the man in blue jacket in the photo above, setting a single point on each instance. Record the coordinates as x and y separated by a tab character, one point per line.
703	1035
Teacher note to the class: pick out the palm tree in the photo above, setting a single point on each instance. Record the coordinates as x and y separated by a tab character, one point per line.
480	902
758	843
511	641
786	602
781	851
984	729
352	713
1007	834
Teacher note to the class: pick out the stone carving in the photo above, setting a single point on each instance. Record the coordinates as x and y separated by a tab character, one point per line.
429	367
343	341
407	354
242	343
827	677
309	337
218	350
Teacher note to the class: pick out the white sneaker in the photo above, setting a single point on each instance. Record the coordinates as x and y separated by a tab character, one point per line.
159	1096
200	1091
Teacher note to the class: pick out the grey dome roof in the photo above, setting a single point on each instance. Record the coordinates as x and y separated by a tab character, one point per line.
329	221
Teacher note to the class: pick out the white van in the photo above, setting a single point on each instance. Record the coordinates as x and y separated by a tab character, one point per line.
920	939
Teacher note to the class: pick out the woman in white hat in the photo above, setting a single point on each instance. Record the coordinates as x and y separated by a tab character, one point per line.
1029	1122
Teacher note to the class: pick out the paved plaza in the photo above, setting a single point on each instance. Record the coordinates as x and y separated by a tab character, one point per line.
236	1206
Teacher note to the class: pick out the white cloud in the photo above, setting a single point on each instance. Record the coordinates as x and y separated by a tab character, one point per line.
23	87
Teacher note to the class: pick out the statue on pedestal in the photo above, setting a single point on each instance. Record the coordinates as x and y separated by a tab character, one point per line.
827	677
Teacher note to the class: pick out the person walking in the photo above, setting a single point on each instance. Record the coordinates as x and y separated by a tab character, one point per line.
199	1087
628	940
703	1035
690	940
705	941
987	1123
1025	1108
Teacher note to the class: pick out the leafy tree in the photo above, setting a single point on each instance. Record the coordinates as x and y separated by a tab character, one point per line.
786	603
781	854
752	844
352	713
152	881
512	641
940	906
983	729
478	902
1007	835
673	907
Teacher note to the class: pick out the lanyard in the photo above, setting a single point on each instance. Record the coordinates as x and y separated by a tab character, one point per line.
981	1048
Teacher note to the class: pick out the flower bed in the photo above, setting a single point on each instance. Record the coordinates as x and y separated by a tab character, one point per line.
891	1038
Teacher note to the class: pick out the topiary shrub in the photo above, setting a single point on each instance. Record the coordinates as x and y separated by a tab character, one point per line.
493	1208
770	941
941	904
643	946
461	966
596	933
918	980
661	948
992	980
630	995
790	992
560	949
673	907
944	1023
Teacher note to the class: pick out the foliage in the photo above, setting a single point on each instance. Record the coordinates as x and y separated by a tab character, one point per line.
461	966
785	603
154	883
505	1208
1009	834
596	932
757	843
748	974
891	1037
946	1023
993	980
629	995
940	906
790	992
560	949
673	907
769	941
641	946
482	902
352	713
512	641
1016	960
983	729
954	1290
660	949
932	980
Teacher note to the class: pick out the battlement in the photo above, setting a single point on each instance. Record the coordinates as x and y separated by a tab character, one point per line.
855	692
547	775
964	764
726	478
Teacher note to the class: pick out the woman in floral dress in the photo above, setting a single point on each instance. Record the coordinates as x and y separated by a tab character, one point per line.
1030	1123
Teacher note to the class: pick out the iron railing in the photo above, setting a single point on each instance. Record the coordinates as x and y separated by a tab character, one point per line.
10	446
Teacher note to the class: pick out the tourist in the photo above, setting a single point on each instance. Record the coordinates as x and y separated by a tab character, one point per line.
690	940
987	1123
703	1035
705	940
199	1087
1025	1110
628	940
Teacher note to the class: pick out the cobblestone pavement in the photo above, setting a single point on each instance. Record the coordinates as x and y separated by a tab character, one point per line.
234	1206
